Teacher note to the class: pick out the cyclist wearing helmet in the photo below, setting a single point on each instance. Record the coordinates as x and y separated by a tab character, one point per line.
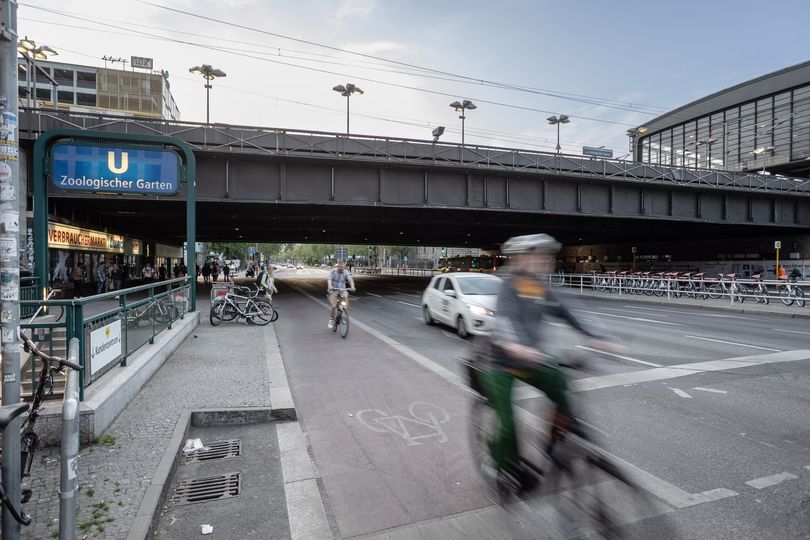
518	348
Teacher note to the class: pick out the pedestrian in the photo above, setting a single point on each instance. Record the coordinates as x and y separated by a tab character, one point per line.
206	272
226	271
162	272
265	282
102	275
124	275
148	273
214	271
116	276
176	270
77	276
782	273
183	270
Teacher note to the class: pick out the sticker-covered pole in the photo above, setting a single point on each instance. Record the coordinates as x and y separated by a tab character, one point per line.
9	257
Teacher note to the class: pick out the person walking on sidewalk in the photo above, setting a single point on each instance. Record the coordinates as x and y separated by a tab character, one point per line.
102	275
77	276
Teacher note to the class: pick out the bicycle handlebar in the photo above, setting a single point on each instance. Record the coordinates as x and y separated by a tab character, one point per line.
29	346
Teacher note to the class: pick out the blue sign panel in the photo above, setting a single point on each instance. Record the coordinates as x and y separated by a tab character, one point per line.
111	169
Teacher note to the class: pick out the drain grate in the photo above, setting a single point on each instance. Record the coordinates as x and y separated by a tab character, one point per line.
210	488
217	450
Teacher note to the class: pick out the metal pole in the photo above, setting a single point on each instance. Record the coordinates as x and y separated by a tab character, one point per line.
207	102
462	128
69	467
558	137
347	113
34	69
9	260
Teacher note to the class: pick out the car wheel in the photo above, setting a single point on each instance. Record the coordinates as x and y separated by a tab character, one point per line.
427	316
461	328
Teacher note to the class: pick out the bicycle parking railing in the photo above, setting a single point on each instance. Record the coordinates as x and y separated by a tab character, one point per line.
421	272
734	289
124	320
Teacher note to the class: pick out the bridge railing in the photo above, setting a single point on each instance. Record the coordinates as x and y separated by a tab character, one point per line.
273	141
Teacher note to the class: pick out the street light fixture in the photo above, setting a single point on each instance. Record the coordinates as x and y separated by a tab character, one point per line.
438	132
634	134
562	119
347	92
461	107
31	53
209	74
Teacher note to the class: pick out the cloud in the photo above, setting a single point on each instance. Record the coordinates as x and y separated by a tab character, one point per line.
355	8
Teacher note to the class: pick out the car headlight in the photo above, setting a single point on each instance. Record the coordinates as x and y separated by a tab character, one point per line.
478	310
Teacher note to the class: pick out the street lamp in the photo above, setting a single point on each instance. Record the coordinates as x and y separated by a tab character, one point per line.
438	132
562	119
209	74
31	52
708	144
347	91
461	107
634	134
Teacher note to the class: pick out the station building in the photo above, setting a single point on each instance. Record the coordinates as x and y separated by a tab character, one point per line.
758	125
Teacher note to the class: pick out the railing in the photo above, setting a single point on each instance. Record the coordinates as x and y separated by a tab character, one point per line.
112	326
422	272
29	290
273	141
736	290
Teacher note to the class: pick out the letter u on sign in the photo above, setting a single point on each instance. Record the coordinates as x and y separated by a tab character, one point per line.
124	162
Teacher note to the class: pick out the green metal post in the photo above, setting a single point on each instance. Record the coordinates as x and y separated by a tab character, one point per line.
191	226
78	331
122	301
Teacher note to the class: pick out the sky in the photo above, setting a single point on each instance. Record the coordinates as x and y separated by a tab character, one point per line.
609	66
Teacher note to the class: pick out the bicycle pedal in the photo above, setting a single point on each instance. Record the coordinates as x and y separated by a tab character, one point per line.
25	495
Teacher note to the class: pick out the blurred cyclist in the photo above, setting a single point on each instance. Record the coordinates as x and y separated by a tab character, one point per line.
518	349
337	286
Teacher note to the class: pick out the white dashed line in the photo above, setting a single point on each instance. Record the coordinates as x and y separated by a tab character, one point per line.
372	294
733	343
408	303
637	361
712	390
640	319
681	393
790	331
768	481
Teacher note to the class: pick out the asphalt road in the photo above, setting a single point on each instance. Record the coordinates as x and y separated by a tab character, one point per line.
707	408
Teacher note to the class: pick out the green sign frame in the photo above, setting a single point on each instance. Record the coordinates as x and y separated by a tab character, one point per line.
41	163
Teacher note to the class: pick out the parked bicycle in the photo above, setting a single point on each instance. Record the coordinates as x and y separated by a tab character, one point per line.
760	290
243	303
790	292
161	310
29	440
341	314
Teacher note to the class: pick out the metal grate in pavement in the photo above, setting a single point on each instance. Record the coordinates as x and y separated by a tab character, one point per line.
217	450
209	488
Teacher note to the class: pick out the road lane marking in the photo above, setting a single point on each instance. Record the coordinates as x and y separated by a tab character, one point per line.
681	393
671	372
425	422
790	331
640	319
696	313
712	390
768	481
659	487
734	343
408	303
372	294
620	356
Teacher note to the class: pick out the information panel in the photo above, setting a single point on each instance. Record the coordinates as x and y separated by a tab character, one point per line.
111	169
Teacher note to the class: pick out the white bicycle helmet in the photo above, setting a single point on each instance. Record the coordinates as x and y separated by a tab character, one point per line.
543	243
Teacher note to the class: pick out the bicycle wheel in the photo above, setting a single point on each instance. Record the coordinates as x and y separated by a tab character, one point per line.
215	313
742	293
715	291
483	429
785	296
263	313
343	324
660	287
594	498
760	295
799	294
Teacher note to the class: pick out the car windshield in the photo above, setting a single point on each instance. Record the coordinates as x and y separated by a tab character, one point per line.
479	285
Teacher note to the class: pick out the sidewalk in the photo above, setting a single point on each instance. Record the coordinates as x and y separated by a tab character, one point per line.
216	368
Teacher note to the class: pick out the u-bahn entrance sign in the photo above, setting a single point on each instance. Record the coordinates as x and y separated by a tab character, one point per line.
104	162
115	169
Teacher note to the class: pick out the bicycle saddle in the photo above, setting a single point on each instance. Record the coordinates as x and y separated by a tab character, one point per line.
10	412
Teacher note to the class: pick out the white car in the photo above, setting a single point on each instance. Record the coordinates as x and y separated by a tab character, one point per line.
463	300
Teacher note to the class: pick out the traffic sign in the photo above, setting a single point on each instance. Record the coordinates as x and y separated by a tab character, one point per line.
777	244
597	152
633	249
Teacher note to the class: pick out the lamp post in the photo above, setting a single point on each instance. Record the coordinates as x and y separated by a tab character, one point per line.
209	74
634	134
347	91
461	107
708	144
32	52
562	119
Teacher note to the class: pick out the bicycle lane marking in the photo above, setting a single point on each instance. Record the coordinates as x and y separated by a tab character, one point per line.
640	319
790	331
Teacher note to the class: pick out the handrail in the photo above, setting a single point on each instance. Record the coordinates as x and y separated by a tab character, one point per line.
108	295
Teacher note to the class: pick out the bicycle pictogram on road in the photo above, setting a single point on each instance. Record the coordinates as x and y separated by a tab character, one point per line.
423	424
